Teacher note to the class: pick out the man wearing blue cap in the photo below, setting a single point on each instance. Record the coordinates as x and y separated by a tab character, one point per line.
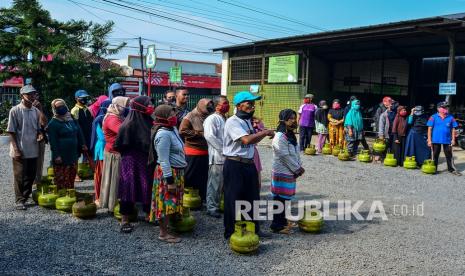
82	115
116	90
442	132
239	171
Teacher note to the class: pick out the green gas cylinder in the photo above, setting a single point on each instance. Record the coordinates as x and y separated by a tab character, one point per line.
327	149
84	209
310	150
48	196
364	156
344	155
244	240
410	163
312	222
390	161
185	222
428	167
191	198
379	146
65	203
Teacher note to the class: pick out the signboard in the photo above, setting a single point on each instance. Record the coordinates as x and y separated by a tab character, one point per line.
132	86
254	88
283	69
176	74
163	79
447	88
151	57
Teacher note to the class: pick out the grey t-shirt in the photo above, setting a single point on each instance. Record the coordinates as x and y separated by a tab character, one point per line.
234	129
24	122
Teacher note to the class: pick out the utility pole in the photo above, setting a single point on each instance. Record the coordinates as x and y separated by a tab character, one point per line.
141	49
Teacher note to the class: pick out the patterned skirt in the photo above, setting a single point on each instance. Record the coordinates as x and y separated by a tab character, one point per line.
283	185
163	202
135	182
64	176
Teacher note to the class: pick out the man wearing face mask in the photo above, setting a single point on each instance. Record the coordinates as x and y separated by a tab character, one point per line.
306	119
116	90
196	147
214	131
83	116
442	132
169	98
239	171
24	130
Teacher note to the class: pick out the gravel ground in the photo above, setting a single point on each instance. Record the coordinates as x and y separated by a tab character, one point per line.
40	241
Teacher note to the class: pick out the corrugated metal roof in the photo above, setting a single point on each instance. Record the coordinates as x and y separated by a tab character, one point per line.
406	25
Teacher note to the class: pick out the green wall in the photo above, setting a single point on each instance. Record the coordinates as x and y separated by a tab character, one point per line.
275	97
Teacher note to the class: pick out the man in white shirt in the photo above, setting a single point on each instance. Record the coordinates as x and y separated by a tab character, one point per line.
239	171
213	128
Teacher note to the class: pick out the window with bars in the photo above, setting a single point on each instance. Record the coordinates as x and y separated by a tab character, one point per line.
247	70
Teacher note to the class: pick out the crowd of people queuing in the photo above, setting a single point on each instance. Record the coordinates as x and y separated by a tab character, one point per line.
147	154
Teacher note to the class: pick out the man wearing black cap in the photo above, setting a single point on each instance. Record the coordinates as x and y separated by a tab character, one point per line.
442	132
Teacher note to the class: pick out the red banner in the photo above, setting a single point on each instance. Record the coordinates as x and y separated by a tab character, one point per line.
162	79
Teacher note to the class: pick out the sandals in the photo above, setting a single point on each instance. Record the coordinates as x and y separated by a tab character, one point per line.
169	239
126	228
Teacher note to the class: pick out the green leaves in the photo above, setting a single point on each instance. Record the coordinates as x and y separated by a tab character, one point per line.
26	26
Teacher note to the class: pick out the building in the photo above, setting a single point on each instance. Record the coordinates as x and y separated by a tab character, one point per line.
202	79
406	60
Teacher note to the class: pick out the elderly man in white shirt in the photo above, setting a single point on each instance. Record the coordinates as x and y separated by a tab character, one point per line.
239	171
213	133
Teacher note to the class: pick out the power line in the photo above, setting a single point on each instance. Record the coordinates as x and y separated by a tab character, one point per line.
191	19
100	17
161	25
272	15
170	50
176	20
248	17
254	19
223	17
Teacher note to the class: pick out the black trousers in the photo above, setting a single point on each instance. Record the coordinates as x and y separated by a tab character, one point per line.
279	220
240	183
305	137
24	174
196	174
447	152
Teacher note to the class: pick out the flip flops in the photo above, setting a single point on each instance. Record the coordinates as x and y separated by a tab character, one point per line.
169	239
126	228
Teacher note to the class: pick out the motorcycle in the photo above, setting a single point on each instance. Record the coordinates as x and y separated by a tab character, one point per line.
461	134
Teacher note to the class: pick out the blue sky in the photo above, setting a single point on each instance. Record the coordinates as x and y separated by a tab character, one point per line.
301	17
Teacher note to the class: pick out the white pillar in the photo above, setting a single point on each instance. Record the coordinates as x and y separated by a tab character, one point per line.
225	73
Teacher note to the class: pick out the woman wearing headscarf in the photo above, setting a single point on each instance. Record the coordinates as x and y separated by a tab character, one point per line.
95	107
97	145
416	143
353	126
133	142
287	166
111	157
168	183
196	147
336	124
321	124
66	143
399	132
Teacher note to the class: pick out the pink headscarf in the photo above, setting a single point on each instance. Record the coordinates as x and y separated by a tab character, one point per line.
95	107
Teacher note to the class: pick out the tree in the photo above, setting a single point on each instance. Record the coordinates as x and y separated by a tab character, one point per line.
26	27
